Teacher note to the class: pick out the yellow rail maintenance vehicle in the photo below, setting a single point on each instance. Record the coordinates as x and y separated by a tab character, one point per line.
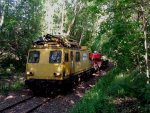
54	61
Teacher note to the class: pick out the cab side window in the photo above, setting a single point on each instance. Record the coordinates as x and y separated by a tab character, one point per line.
77	56
84	56
66	57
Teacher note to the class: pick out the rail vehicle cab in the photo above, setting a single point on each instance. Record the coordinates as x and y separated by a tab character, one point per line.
54	60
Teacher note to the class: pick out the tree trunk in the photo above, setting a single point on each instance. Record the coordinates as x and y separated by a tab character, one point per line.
1	20
81	37
144	22
76	13
62	18
2	9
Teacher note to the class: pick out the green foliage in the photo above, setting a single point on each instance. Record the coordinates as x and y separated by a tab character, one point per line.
121	36
22	24
146	94
114	85
125	84
114	28
97	100
94	102
14	86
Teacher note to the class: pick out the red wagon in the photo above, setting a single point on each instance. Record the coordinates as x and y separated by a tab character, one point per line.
96	60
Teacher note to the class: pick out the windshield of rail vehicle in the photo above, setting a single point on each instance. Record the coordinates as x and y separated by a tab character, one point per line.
55	56
34	57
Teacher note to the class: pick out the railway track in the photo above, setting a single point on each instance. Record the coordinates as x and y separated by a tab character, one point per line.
23	105
28	103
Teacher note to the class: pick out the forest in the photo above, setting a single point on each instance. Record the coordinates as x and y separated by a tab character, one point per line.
118	29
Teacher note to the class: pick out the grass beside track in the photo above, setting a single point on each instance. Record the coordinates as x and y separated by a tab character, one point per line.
115	93
96	100
12	86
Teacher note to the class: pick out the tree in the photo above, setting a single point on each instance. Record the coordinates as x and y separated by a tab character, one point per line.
22	23
144	17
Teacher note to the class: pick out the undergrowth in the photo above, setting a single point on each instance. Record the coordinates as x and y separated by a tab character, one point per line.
14	86
112	86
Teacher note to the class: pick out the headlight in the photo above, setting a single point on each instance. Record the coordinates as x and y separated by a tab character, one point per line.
29	73
57	74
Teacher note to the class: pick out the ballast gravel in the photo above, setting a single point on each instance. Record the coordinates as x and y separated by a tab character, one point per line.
62	103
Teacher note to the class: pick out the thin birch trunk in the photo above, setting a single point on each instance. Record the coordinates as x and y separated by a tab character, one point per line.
144	22
62	18
73	21
1	13
1	19
81	37
76	13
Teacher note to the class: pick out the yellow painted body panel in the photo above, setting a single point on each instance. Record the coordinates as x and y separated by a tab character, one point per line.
46	70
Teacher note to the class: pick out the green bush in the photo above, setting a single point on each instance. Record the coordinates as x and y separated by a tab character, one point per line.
115	85
14	86
125	84
146	93
97	100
